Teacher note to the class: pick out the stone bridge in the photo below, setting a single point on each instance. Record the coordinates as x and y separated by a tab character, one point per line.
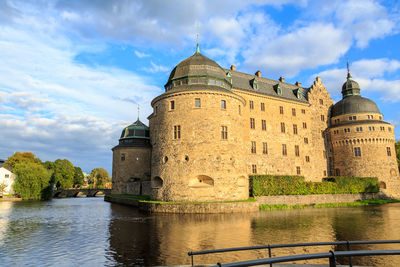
92	192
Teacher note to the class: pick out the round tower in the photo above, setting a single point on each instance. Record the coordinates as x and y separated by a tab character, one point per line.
362	143
131	161
196	135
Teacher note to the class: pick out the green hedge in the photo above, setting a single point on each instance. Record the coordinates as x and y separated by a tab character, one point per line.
271	185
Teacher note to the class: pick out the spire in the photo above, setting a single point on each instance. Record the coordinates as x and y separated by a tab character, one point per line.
138	111
198	47
348	69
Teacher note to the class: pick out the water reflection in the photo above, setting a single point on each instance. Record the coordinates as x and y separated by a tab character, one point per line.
89	231
148	239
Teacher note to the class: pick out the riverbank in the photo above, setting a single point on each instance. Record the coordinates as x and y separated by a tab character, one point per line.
252	204
10	198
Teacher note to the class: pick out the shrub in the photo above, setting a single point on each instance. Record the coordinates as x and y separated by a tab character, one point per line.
270	185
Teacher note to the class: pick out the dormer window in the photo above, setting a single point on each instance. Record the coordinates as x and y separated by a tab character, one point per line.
298	93
229	75
279	89
254	84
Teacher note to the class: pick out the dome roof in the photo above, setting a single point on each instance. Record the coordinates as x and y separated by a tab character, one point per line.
354	104
350	87
136	130
198	69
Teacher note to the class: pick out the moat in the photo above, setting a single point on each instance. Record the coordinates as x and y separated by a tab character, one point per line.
90	232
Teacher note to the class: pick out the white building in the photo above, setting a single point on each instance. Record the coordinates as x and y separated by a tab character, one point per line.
7	178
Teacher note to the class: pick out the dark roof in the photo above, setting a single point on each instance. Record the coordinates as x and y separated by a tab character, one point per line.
354	104
243	81
136	130
350	87
197	65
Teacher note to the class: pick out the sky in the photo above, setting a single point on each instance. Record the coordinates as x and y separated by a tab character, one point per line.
73	72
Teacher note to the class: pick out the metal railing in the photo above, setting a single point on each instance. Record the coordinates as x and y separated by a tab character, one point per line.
270	247
331	255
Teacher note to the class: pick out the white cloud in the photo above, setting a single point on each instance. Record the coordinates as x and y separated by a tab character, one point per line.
140	54
156	68
307	47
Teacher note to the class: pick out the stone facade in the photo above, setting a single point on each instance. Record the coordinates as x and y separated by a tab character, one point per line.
213	127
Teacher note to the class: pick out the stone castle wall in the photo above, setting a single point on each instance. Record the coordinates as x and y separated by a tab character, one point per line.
131	170
199	165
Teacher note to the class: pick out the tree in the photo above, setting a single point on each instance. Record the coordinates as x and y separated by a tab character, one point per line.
19	157
3	187
32	180
100	177
64	173
78	176
397	146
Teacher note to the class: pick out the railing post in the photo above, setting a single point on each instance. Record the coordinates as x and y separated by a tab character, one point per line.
269	253
192	259
348	249
332	261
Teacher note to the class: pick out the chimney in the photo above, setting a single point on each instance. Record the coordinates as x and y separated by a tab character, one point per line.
298	84
258	74
233	67
282	80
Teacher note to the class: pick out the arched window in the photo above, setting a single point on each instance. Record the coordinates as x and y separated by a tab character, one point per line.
157	182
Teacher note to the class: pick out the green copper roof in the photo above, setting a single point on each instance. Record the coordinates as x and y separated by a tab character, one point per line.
136	130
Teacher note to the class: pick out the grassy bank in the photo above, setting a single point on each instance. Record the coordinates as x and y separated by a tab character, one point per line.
147	199
265	207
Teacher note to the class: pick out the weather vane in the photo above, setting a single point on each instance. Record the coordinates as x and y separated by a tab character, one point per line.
197	30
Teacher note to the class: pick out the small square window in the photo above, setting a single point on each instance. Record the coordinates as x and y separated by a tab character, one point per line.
254	168
197	102
6	176
223	104
303	111
251	104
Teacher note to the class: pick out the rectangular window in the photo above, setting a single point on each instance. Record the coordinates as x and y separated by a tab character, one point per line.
122	157
304	125
254	168
253	147
252	123
354	118
303	111
262	107
294	128
177	132
280	110
359	129
251	104
389	129
197	102
322	118
389	153
298	170
296	150
350	118
6	176
224	132
223	104
240	110
284	151
305	140
172	105
382	128
357	152
307	158
282	127
264	125
321	102
293	111
265	148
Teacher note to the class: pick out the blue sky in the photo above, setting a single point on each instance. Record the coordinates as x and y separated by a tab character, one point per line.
73	72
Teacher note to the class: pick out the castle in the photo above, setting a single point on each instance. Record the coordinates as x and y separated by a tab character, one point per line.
213	127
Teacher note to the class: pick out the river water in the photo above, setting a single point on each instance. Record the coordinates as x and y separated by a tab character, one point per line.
90	232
